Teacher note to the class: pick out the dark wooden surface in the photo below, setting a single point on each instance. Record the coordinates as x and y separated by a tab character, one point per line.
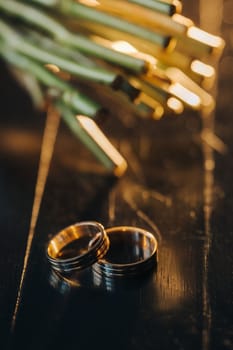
171	188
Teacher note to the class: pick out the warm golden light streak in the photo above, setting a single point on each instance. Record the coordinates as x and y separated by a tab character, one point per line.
101	140
211	22
183	20
57	71
110	35
92	3
127	48
141	15
209	164
175	105
203	69
213	141
154	87
52	67
151	102
185	95
123	46
205	37
178	5
48	142
177	76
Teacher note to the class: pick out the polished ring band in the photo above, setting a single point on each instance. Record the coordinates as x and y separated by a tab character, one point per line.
132	251
77	246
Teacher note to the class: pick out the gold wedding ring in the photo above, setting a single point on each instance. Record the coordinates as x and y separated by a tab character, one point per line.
132	251
77	246
114	252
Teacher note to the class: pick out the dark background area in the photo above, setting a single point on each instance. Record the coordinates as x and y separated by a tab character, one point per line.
177	186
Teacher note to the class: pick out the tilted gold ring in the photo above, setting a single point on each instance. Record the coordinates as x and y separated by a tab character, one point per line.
77	246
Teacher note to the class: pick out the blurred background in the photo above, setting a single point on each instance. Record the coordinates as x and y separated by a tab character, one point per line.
178	185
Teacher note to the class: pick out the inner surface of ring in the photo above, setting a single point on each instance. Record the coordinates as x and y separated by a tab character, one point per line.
128	246
73	241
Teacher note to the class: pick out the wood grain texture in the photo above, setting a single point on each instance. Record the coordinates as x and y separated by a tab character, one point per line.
187	302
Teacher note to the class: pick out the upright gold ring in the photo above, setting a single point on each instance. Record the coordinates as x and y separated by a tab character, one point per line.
132	251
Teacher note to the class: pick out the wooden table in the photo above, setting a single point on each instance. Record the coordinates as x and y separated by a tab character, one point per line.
178	185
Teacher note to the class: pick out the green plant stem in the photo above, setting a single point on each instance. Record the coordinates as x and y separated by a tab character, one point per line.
71	8
158	93
160	6
51	45
19	43
37	17
86	138
140	15
31	85
77	101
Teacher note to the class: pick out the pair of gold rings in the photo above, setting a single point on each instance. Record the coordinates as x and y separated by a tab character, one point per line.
116	251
